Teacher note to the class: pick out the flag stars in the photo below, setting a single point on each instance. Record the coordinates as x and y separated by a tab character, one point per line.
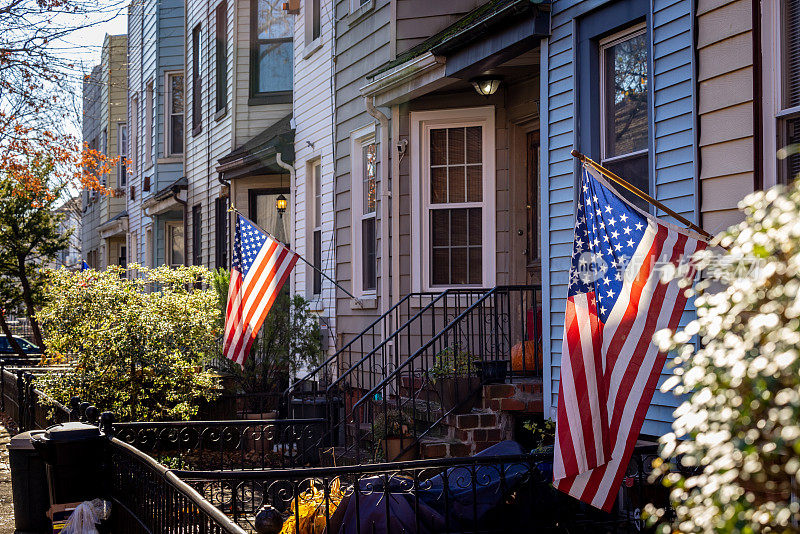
639	226
627	230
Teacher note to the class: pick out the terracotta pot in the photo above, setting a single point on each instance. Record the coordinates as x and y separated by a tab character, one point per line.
459	394
393	448
532	357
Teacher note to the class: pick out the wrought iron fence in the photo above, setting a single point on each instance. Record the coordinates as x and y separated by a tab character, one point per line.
28	407
224	445
148	498
506	493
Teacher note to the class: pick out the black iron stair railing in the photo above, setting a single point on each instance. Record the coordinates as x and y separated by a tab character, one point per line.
309	386
445	373
346	431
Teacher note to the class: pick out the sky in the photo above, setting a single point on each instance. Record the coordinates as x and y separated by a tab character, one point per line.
84	46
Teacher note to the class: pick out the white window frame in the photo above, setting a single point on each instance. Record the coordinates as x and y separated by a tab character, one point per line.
313	220
604	44
148	121
773	87
168	242
168	114
422	122
358	139
308	23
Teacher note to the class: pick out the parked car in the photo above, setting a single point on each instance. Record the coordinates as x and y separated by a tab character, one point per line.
28	348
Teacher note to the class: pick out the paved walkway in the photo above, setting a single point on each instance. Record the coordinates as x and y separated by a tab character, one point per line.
6	504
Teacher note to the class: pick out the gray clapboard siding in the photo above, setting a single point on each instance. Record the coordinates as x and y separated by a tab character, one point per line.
726	108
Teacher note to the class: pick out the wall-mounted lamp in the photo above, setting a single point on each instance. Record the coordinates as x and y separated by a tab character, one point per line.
280	205
486	85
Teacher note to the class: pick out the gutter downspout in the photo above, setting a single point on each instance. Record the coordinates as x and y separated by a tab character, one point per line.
386	194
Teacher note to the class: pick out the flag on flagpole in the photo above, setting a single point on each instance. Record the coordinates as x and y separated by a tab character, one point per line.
259	267
616	301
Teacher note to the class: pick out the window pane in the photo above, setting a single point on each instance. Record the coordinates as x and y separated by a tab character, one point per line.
474	145
455	145
440	266
474	183
317	276
177	134
634	170
317	195
176	94
459	272
370	167
792	42
438	147
275	67
369	254
438	185
273	22
458	227
176	243
475	226
475	265
626	96
456	184
440	228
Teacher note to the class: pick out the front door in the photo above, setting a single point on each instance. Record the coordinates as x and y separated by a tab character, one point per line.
532	209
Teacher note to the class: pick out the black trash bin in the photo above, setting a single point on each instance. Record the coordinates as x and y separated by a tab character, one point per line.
75	455
28	485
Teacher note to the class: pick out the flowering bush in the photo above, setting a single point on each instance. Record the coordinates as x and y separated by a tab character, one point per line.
738	433
135	339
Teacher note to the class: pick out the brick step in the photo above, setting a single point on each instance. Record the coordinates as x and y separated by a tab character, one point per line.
522	396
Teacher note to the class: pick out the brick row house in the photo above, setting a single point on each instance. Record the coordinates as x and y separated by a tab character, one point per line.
423	152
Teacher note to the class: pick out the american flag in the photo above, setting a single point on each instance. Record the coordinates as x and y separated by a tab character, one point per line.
260	266
616	301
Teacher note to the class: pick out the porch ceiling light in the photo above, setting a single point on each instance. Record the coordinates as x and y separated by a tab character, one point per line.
486	85
280	204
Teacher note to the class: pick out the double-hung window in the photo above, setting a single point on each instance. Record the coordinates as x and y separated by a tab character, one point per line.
148	124
197	235
313	21
221	62
624	117
197	97
174	232
453	213
175	103
272	53
221	217
122	152
787	86
135	156
364	158
314	185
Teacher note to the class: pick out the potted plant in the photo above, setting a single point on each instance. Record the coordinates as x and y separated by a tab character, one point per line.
393	433
455	374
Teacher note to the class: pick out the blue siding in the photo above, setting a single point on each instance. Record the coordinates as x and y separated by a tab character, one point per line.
672	157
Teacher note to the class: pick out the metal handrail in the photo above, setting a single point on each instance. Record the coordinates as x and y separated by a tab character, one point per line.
348	345
219	518
312	472
404	326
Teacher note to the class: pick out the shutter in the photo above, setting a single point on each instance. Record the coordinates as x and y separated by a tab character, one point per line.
792	44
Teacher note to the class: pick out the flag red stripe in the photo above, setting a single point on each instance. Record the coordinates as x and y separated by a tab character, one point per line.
260	286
